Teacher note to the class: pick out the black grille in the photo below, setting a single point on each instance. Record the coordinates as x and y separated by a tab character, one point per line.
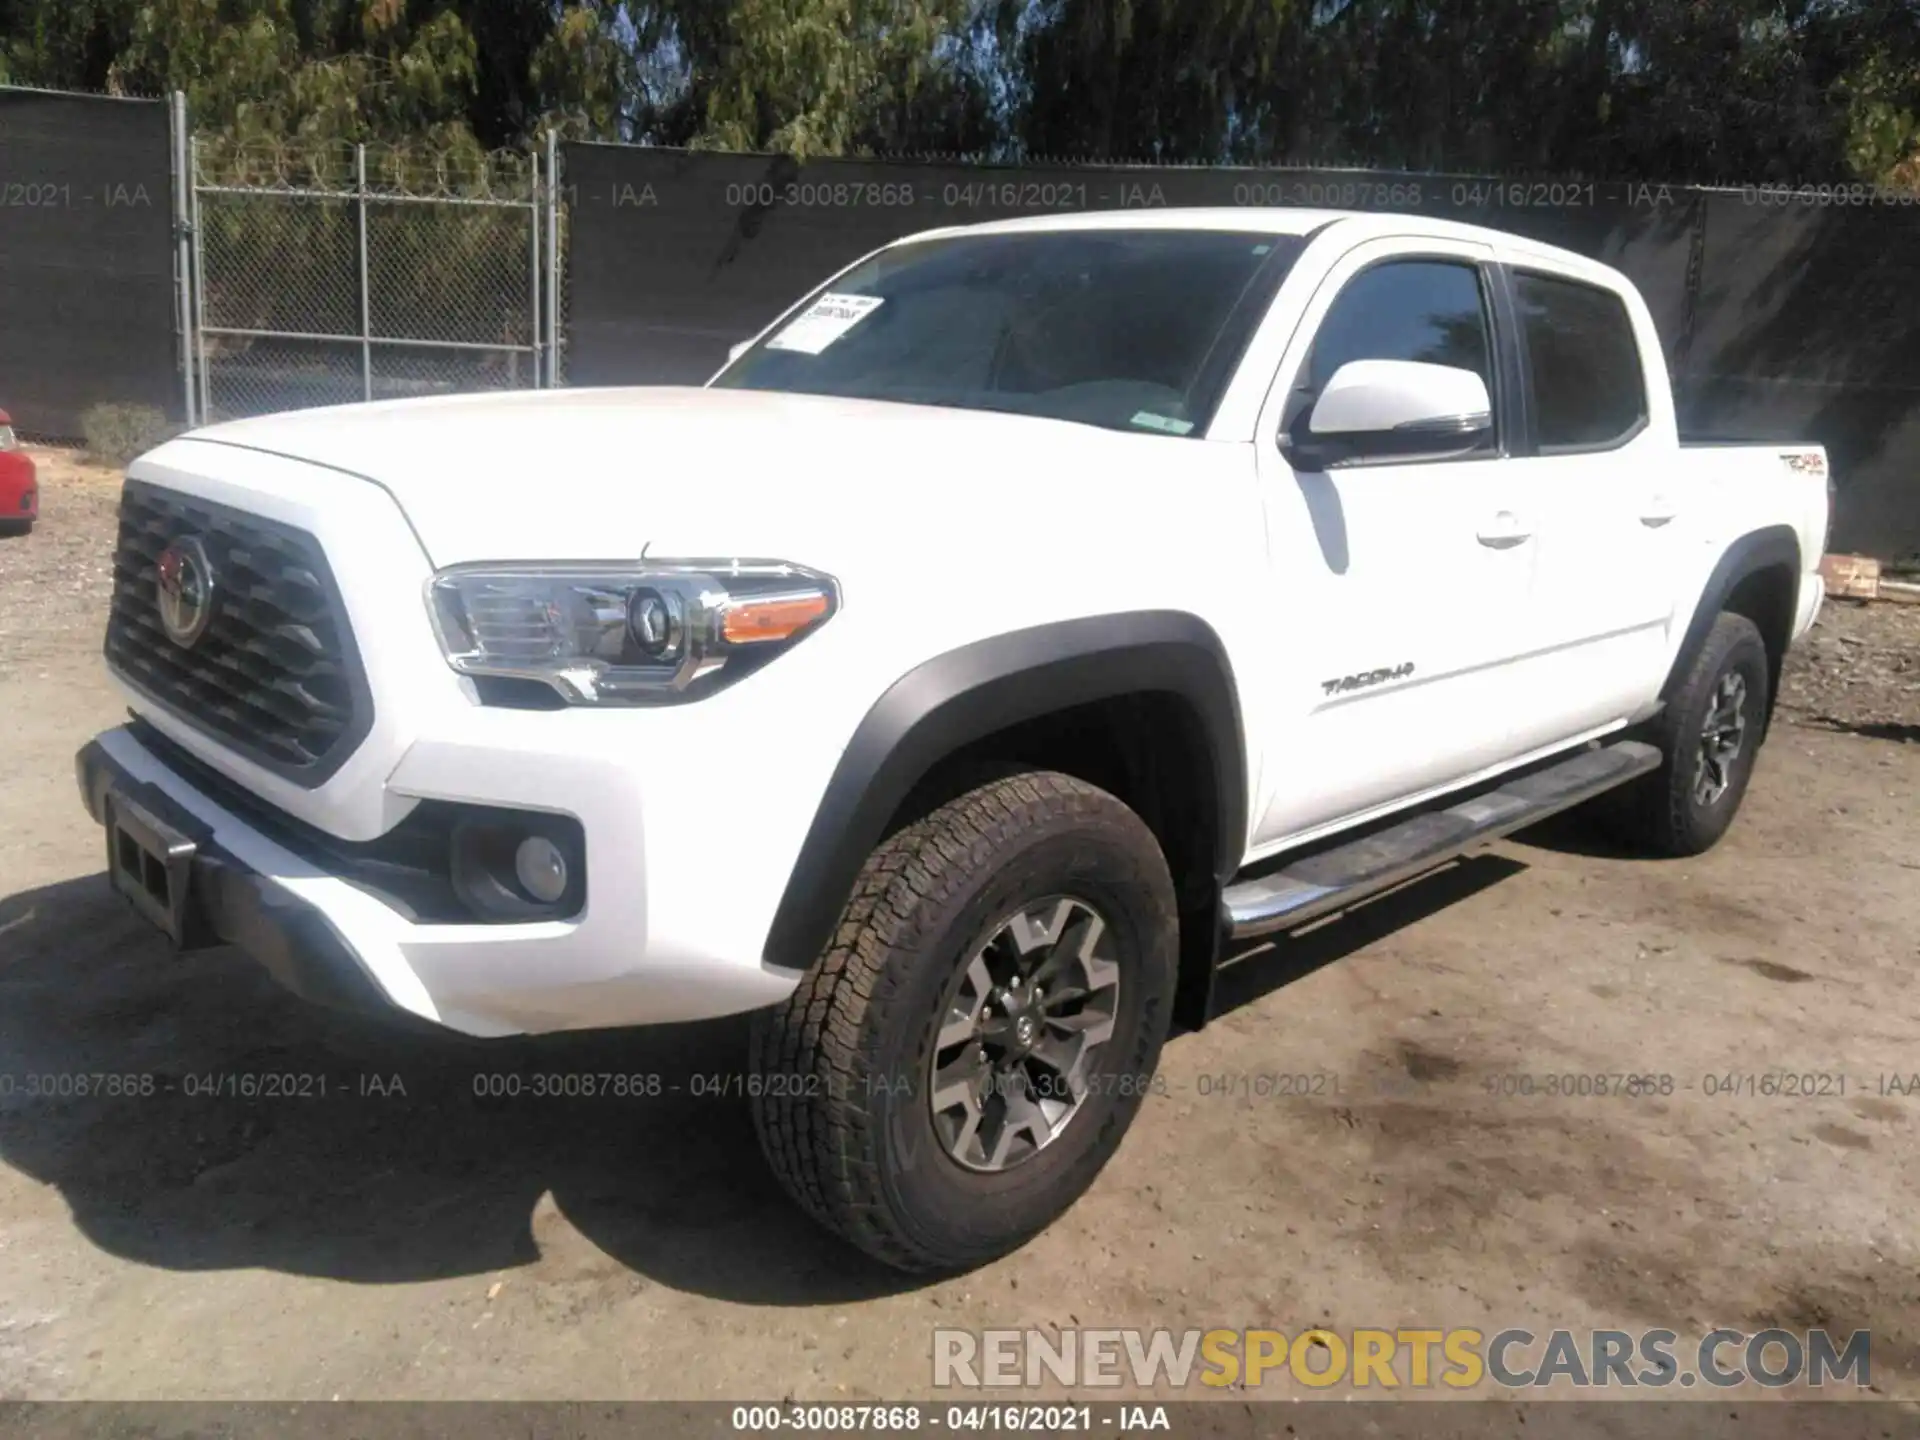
275	675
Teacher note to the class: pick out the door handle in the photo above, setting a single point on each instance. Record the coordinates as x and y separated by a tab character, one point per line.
1660	510
1504	531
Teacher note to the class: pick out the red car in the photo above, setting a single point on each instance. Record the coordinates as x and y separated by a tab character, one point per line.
19	485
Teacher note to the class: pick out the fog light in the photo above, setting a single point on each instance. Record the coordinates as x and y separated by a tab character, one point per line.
541	869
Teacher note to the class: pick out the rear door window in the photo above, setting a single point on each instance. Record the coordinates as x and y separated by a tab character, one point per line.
1583	363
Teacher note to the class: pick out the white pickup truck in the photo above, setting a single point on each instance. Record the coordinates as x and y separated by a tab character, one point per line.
1026	615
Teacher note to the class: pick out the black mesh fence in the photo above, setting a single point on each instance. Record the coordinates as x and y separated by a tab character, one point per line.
1783	317
87	301
1808	327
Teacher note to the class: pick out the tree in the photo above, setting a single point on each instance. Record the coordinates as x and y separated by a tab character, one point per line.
1735	90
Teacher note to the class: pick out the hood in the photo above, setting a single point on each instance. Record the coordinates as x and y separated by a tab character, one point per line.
695	473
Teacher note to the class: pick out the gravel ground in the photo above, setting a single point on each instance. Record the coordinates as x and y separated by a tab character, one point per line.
1858	671
55	582
410	1243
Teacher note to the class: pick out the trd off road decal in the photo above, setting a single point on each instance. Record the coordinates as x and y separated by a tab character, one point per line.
1365	679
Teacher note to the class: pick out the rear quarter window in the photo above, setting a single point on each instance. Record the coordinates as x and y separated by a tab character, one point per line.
1584	370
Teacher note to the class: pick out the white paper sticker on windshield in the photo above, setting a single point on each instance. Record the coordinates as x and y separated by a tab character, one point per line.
824	322
1166	424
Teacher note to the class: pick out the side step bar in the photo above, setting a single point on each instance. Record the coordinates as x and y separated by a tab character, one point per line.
1334	879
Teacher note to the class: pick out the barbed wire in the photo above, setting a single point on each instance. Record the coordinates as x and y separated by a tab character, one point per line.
115	91
417	170
1375	170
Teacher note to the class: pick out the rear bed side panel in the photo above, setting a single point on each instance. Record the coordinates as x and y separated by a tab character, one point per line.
1757	508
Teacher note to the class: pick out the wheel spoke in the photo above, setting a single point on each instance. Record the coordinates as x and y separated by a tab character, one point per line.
960	1096
961	1084
1076	945
1095	1027
1102	975
957	1031
963	1021
1064	1055
1040	926
1021	1116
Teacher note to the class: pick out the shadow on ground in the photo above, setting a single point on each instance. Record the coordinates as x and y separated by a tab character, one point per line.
1900	732
376	1162
374	1156
1256	969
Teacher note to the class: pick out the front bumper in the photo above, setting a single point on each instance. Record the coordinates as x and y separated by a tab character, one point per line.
339	943
234	904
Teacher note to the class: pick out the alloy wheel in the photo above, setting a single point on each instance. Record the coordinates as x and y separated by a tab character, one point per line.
1020	1030
1722	735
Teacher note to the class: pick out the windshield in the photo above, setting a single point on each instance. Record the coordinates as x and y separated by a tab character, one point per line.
1129	329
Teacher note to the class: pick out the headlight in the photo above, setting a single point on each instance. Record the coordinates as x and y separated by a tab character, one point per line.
651	633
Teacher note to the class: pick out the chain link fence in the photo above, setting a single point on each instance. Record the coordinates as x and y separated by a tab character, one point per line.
332	273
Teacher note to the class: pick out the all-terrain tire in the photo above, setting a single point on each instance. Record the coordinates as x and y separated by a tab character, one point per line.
1683	808
842	1072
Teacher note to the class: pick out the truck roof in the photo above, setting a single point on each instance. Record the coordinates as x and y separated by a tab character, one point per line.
1263	220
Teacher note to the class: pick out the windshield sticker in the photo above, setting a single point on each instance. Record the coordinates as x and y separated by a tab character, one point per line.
1165	424
824	322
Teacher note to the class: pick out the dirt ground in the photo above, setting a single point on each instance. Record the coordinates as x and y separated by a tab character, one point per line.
387	1245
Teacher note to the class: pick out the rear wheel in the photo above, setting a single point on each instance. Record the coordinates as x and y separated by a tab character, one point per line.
958	1066
1710	735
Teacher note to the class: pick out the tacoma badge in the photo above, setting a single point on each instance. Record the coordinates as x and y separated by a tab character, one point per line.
1366	678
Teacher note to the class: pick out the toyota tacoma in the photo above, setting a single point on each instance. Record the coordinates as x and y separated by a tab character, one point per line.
1026	616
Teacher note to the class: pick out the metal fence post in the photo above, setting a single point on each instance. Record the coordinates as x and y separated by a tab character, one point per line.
183	253
197	280
366	275
554	372
533	275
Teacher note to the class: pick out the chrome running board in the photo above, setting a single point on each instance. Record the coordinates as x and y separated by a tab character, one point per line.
1321	884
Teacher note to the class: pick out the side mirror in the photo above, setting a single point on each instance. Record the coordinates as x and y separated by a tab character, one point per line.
1392	409
734	352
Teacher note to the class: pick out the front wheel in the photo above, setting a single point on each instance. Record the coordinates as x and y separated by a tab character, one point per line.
1710	735
962	1061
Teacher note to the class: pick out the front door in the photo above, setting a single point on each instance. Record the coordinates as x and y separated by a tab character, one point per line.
1399	588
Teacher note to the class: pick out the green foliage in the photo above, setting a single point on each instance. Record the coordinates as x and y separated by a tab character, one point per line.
818	79
117	434
1883	123
1799	90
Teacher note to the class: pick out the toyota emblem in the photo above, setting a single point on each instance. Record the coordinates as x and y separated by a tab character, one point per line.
185	590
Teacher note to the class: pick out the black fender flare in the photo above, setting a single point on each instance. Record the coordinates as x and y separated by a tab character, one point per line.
1770	548
968	694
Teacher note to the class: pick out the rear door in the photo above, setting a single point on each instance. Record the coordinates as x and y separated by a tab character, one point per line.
1597	472
1398	587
